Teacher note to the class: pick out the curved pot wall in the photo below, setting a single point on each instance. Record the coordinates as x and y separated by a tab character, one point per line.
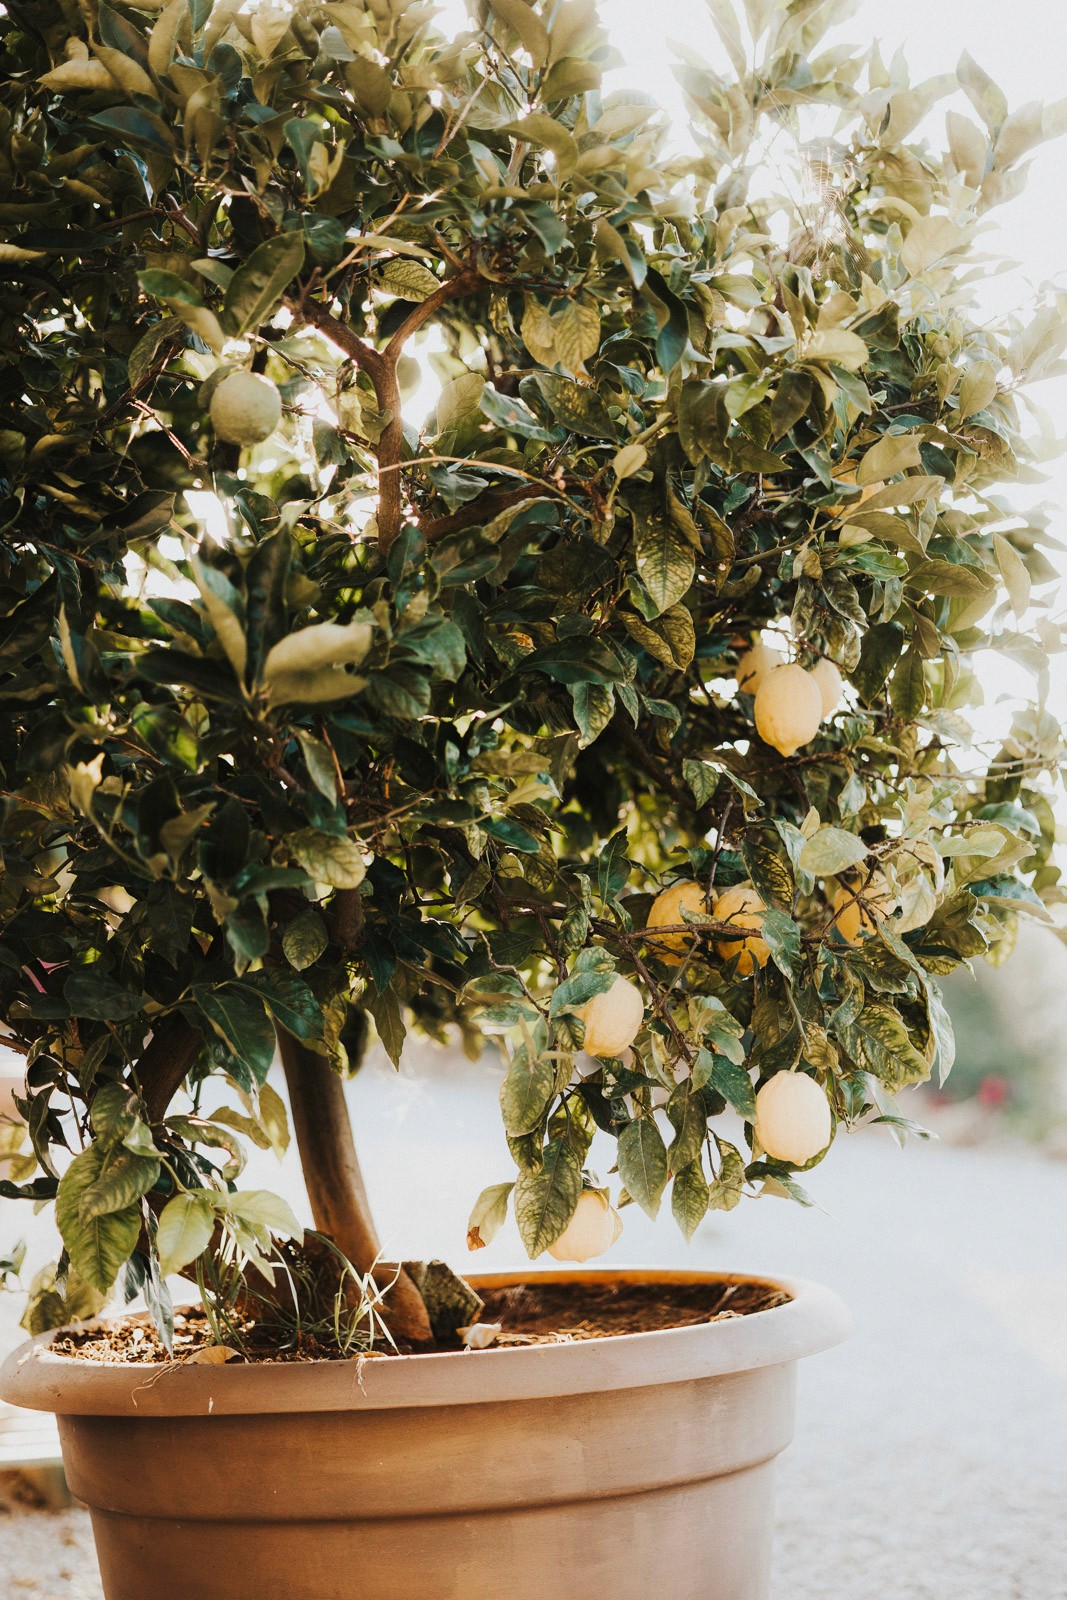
612	1469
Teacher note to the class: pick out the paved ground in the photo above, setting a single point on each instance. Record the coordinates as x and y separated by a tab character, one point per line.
931	1450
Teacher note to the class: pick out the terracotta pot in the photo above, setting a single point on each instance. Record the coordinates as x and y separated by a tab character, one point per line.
613	1469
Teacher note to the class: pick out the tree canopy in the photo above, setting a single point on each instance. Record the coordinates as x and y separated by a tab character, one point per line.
452	699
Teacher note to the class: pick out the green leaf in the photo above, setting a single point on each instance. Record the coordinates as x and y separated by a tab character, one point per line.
728	1078
242	1024
546	1196
643	1163
95	994
305	939
184	1231
384	1006
830	851
290	1002
879	1040
726	1190
531	31
578	408
488	1215
256	288
666	561
408	280
123	1178
528	1087
702	778
670	638
594	707
781	935
907	688
98	1246
329	858
768	869
690	1198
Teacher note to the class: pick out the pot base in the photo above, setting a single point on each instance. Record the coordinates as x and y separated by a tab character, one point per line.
711	1541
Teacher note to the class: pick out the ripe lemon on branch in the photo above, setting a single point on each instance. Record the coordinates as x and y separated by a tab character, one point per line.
754	666
245	408
666	912
788	709
861	904
793	1120
612	1019
742	906
830	685
592	1230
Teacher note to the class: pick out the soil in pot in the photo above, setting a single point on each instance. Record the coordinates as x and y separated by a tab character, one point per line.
528	1313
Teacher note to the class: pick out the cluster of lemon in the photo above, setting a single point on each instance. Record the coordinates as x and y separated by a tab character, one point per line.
793	1120
790	701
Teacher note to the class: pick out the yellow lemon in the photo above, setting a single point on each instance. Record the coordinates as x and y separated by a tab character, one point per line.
667	911
829	683
594	1228
743	907
856	920
792	1118
245	408
612	1019
754	666
788	709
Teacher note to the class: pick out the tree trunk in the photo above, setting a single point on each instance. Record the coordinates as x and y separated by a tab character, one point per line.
335	1185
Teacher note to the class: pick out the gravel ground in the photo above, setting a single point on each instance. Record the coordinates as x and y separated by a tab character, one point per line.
931	1450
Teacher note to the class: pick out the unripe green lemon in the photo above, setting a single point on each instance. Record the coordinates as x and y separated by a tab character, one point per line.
245	408
743	907
793	1121
856	921
594	1228
829	683
788	709
667	911
612	1019
754	666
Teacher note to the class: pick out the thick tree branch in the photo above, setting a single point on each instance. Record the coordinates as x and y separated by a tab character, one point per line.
483	509
465	282
345	338
166	1062
335	1184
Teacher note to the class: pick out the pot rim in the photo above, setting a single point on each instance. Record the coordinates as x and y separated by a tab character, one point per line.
814	1319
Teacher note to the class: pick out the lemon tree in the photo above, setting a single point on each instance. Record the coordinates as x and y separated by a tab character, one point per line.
592	677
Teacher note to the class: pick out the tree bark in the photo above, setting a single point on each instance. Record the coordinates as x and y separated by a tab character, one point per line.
335	1184
166	1062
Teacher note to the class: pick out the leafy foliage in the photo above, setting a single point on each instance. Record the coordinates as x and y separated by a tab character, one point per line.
425	731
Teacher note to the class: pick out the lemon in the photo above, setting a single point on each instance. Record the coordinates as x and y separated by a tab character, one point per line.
856	920
743	907
831	686
788	709
667	911
612	1019
792	1118
245	408
754	666
594	1228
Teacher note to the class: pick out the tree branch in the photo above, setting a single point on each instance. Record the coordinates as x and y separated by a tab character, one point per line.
465	282
335	1184
166	1062
483	509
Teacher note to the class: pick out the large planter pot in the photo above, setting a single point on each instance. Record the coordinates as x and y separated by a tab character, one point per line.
613	1469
